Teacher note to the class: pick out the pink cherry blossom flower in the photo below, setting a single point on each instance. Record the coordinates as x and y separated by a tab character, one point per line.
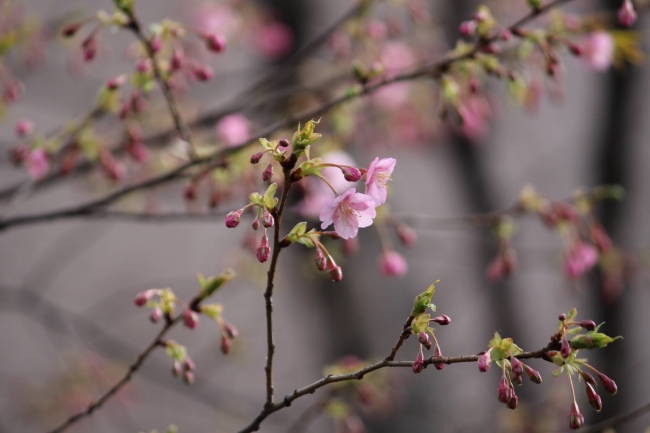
392	264
627	14
599	50
475	112
378	174
233	129
580	259
274	39
24	127
349	212
37	164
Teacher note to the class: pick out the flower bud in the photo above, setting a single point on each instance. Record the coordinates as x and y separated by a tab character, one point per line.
89	48
533	375
425	340
351	174
336	273
576	49
589	325
188	364
215	42
588	378
267	173
321	262
438	354
467	28
156	315
283	143
188	377
504	391
565	349
517	366
202	72
594	399
177	61
233	218
255	224
627	14
505	35
406	235
484	361
576	419
190	318
156	43
24	127
263	251
255	158
562	317
71	29
442	320
267	219
177	369
143	297
225	345
608	384
230	330
418	364
518	380
392	264
512	404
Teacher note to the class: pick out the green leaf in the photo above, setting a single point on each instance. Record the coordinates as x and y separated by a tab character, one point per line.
420	323
572	314
214	283
422	301
256	199
269	196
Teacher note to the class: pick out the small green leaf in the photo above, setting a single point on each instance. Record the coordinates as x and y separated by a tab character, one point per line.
269	196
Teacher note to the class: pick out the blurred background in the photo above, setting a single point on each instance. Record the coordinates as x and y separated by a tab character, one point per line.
68	326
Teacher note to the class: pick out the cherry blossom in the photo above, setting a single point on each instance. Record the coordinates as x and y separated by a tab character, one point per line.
580	259
599	50
37	164
233	129
349	211
392	264
378	174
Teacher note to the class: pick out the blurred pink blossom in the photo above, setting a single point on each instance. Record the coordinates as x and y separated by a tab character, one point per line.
392	264
274	39
233	129
214	18
37	164
599	50
580	259
475	113
397	57
348	212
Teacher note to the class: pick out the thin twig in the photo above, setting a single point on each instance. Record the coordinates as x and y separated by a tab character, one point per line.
432	70
618	419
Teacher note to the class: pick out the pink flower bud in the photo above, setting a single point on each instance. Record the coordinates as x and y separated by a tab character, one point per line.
438	354
190	318
156	315
177	61
561	317
255	158
443	320
230	330
425	340
115	82
576	49
565	349
418	364
467	28
516	366
576	419
505	34
283	143
138	151
321	262
267	173
156	43
594	399
267	219
225	345
512	404
188	377
215	42
504	391
143	297
392	264
627	14
177	369
113	168
143	66
336	274
255	224
24	127
71	29
188	364
406	235
588	378
608	384
484	361
533	375
351	174
37	163
233	218
263	251
89	48
518	380
589	325
202	72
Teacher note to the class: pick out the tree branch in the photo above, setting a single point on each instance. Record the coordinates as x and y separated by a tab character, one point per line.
431	70
618	419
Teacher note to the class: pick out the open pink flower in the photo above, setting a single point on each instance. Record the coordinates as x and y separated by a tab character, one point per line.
378	174
37	164
348	212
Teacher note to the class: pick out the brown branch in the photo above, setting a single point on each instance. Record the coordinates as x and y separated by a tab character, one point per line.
618	419
92	407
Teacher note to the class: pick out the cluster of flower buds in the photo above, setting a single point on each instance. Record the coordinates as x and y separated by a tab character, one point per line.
183	364
504	352
264	209
311	239
161	301
419	322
